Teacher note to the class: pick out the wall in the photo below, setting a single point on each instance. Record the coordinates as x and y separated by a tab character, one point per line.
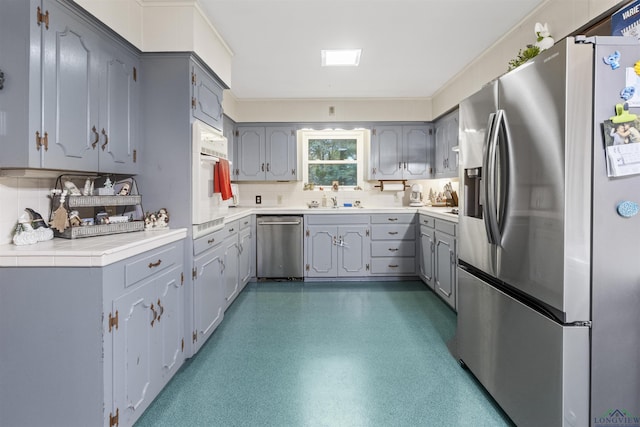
161	26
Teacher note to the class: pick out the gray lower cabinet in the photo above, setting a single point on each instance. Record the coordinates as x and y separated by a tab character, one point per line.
209	286
427	248
439	257
265	153
334	250
231	263
90	345
247	244
73	90
393	244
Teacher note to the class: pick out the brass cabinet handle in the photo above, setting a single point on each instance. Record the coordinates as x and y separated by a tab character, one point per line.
155	264
95	142
268	167
392	219
393	249
393	265
155	315
263	167
210	241
161	310
106	139
393	232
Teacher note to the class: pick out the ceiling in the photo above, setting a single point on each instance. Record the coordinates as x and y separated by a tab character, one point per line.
410	48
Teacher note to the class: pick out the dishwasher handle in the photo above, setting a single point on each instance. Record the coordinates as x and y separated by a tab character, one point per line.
279	223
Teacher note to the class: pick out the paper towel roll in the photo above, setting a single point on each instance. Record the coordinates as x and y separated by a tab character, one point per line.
392	187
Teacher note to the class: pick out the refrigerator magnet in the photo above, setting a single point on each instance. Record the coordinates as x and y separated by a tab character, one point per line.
627	93
613	60
628	209
636	67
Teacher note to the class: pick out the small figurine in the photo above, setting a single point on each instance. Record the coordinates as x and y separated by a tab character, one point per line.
24	232
124	191
162	219
149	221
43	232
88	187
74	219
107	188
613	60
72	189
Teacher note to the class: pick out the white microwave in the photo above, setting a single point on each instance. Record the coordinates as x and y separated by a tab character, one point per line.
208	209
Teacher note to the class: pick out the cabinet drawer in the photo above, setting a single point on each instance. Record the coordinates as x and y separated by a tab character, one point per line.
231	228
403	218
429	221
209	241
244	222
393	248
393	265
333	219
446	227
151	263
393	232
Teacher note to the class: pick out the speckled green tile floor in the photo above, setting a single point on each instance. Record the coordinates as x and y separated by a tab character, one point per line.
327	354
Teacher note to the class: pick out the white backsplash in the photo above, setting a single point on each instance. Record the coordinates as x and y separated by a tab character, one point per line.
16	194
291	194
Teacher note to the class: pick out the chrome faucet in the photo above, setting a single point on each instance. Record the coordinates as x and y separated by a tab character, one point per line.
335	202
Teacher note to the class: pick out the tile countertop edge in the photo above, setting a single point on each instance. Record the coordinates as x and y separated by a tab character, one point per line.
88	252
240	212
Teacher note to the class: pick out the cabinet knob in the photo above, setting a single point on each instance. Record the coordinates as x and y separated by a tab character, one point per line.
155	264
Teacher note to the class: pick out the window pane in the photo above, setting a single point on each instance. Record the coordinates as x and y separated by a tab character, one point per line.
333	149
345	174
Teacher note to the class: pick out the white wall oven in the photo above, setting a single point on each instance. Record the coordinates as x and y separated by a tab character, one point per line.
209	148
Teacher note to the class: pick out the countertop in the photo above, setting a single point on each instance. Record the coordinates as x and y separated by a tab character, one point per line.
104	250
86	252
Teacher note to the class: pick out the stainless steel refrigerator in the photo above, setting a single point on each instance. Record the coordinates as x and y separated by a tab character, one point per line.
549	268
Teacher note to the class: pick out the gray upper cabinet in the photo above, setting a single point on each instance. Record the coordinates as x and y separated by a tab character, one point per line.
78	84
265	153
446	130
401	152
206	100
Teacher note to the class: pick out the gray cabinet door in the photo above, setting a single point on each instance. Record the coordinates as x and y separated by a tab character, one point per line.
445	267
70	92
251	155
280	150
416	152
208	294
231	268
386	153
246	242
427	248
207	97
20	98
170	303
119	106
353	250
321	251
446	138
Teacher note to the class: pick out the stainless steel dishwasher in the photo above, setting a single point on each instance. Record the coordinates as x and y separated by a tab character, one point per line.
279	247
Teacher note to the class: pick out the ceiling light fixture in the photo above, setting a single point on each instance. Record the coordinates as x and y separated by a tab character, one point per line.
340	57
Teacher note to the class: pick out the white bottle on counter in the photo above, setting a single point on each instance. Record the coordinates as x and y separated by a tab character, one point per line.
324	200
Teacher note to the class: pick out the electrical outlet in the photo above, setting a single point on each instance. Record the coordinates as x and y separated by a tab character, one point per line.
258	200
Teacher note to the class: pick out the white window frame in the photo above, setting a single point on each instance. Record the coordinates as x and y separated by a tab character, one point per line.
360	135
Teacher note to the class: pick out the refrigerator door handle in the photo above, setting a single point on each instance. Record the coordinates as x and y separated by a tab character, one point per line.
489	205
501	175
